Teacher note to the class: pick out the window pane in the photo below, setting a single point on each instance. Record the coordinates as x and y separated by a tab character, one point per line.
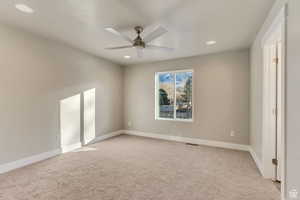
184	95
166	95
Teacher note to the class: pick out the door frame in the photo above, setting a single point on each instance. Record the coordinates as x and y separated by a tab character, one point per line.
278	27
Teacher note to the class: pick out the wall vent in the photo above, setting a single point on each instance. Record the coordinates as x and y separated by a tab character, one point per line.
191	144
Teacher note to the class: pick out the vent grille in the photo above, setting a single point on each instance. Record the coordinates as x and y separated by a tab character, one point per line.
191	144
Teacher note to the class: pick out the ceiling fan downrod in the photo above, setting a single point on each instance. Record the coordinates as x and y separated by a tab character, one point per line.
138	41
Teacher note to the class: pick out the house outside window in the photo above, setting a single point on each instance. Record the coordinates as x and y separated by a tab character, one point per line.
174	95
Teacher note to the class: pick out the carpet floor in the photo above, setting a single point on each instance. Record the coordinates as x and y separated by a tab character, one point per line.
136	168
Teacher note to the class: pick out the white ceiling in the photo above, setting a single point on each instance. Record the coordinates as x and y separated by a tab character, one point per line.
80	23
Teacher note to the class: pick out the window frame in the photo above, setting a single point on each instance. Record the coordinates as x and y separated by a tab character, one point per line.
157	96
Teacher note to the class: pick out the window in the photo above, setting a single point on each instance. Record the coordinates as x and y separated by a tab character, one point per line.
174	95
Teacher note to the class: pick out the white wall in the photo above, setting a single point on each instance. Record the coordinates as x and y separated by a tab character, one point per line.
221	97
36	74
256	86
292	166
293	99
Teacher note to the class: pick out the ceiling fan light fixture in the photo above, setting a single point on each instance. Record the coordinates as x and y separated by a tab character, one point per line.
211	42
24	8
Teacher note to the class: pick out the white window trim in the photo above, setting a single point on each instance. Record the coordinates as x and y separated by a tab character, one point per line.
157	97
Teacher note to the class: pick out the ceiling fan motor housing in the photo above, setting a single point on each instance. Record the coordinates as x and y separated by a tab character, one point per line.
139	43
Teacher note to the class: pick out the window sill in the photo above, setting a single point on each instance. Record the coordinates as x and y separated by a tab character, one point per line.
175	120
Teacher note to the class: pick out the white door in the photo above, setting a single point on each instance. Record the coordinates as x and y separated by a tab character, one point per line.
276	105
273	104
280	108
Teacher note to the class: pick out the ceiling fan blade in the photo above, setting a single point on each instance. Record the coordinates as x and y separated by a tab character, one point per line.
119	34
140	52
120	47
155	34
150	46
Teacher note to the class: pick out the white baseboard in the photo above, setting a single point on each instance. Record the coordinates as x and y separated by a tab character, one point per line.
43	156
189	140
106	136
36	158
72	147
256	160
109	135
27	161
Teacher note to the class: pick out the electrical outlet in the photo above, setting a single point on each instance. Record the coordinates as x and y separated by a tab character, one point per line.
232	133
293	194
129	124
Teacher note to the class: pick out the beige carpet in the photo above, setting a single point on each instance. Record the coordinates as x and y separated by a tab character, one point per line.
135	168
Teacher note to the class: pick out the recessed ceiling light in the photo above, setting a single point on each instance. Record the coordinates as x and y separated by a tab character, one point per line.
24	8
212	42
127	57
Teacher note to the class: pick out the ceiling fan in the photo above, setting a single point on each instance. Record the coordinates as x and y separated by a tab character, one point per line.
140	43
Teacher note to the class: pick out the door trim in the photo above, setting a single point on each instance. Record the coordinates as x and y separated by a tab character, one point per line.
277	27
